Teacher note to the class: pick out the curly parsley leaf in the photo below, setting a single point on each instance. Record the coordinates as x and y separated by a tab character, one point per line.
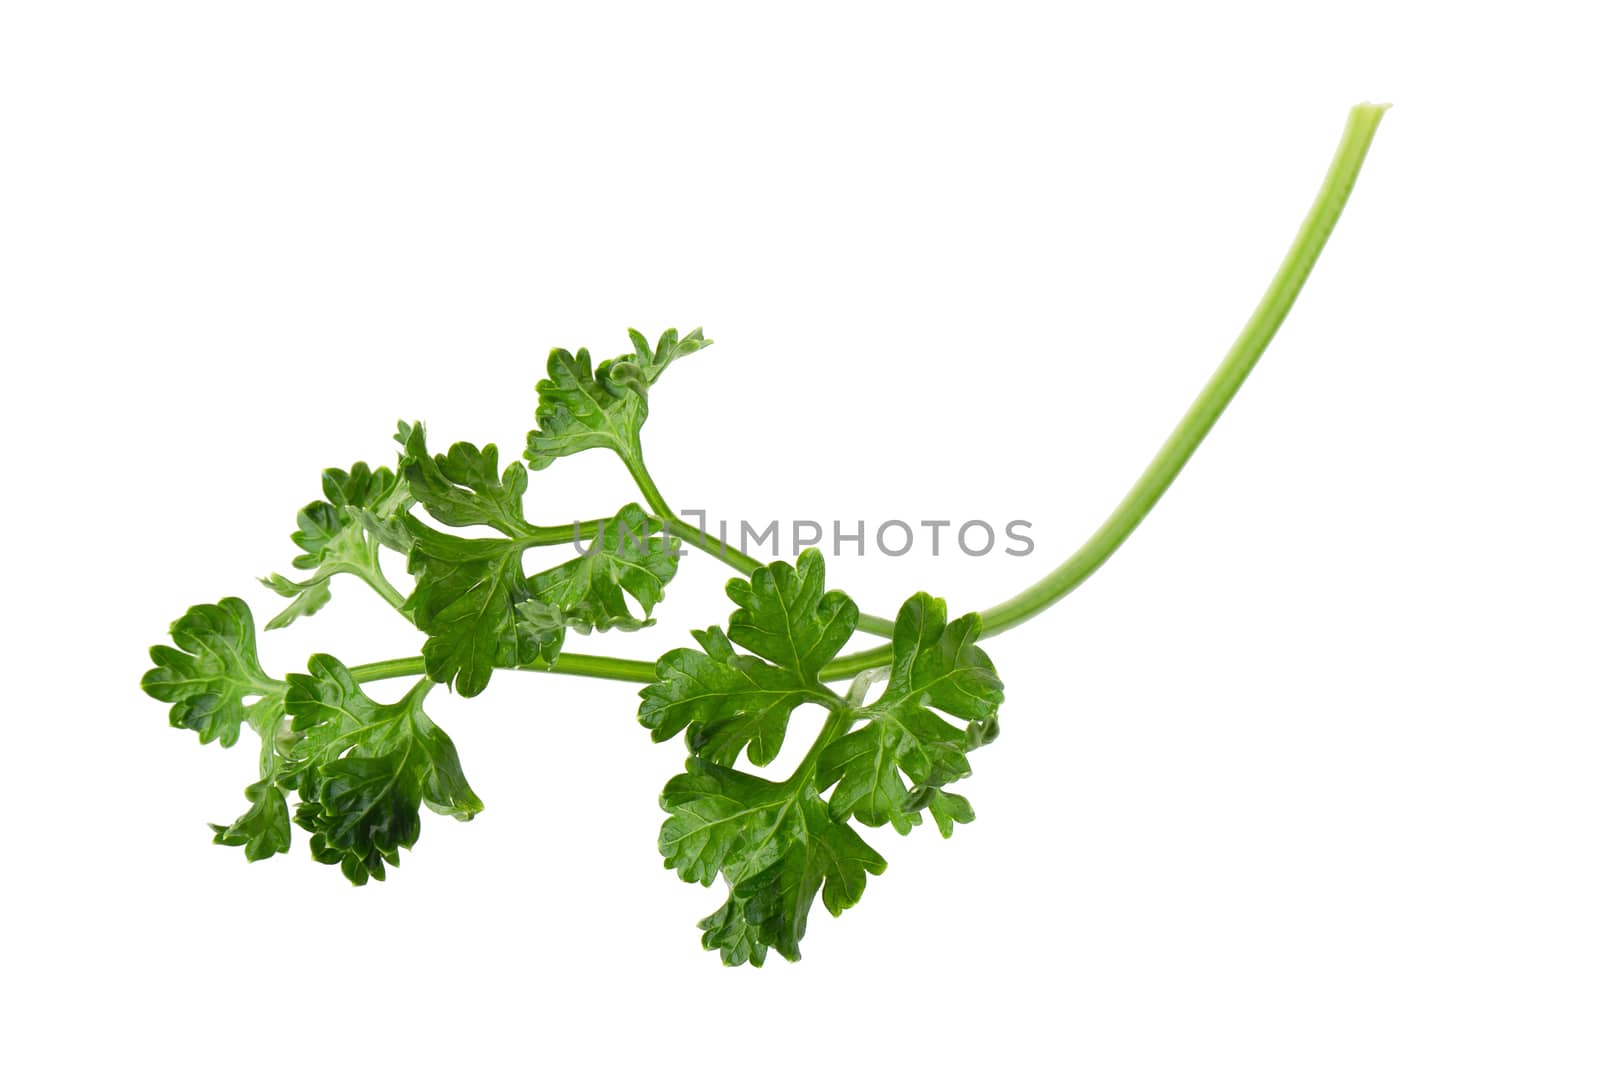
776	844
631	554
364	769
583	407
215	684
785	615
465	486
340	534
263	830
779	844
473	598
936	666
212	672
465	600
727	701
467	589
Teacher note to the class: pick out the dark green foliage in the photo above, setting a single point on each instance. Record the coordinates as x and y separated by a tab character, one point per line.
778	844
359	772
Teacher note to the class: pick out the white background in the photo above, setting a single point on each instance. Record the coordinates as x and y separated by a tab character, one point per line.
1306	775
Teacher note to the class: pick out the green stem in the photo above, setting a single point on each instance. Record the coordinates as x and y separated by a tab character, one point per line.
621	670
711	546
701	539
542	536
633	459
373	576
615	668
1152	484
1203	413
389	668
876	625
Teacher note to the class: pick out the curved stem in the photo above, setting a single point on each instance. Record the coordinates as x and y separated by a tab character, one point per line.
1207	407
634	461
701	539
711	546
374	578
1123	520
1218	392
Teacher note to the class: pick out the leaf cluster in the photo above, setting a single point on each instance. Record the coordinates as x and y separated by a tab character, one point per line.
779	844
474	599
355	773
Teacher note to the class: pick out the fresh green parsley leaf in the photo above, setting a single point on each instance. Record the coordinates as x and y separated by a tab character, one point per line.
479	608
212	672
778	844
465	486
263	830
727	701
208	680
363	770
340	534
467	605
468	589
629	555
935	666
583	407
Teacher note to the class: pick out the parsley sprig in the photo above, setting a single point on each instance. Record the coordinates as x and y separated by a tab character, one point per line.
360	771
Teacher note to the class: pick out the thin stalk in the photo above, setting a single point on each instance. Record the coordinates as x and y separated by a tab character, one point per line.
613	667
713	546
632	459
621	670
1174	454
710	545
1202	414
876	625
544	536
388	668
